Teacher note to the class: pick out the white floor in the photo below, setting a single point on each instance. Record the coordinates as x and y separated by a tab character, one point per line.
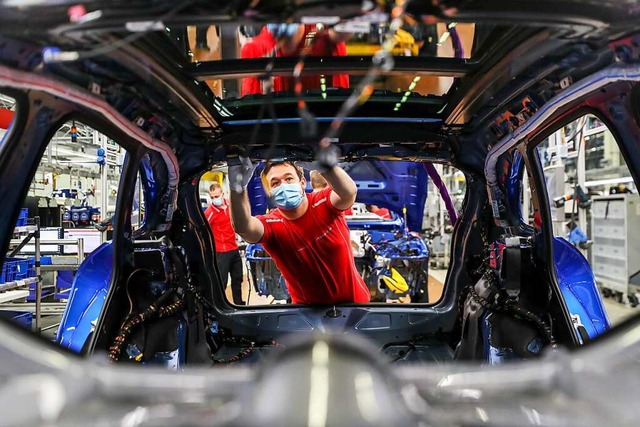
439	275
618	312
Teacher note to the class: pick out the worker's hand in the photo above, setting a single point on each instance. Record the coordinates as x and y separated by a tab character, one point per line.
240	175
311	166
326	158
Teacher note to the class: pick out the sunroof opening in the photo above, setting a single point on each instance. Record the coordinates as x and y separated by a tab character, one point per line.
320	87
356	39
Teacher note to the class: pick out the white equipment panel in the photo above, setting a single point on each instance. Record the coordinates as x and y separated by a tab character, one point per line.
615	222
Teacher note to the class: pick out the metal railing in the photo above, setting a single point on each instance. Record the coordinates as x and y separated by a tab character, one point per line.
35	234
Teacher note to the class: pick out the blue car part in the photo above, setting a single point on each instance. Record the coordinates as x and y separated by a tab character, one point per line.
86	298
575	276
496	329
408	247
394	185
164	339
579	289
577	236
265	276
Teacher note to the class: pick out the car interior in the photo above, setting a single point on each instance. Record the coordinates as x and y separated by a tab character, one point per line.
404	90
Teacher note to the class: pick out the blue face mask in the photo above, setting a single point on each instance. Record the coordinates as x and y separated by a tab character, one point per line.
283	30
287	196
217	202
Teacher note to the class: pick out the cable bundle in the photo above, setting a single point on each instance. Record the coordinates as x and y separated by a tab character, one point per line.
149	313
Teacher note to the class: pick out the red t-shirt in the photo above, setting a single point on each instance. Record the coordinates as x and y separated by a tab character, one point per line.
383	212
314	254
223	234
262	45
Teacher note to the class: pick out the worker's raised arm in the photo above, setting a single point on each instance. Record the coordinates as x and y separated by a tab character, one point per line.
247	226
344	189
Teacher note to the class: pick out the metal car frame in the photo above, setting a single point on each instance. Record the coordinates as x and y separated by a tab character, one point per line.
581	58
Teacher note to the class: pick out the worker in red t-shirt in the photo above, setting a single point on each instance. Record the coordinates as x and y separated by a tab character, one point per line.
318	183
227	254
307	235
291	40
381	212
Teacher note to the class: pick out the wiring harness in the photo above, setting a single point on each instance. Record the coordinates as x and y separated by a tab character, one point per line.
249	345
180	280
503	304
157	310
501	301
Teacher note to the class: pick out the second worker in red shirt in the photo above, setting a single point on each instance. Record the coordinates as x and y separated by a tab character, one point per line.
227	254
307	235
